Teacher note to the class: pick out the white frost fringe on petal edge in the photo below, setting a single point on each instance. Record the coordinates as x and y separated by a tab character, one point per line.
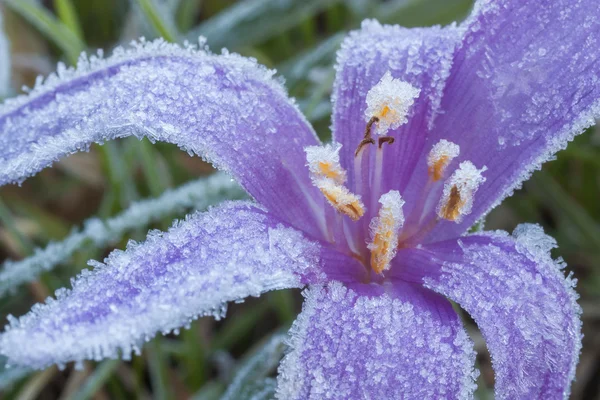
198	195
140	49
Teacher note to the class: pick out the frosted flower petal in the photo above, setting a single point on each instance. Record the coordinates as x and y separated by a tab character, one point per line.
525	81
370	342
421	57
194	269
521	300
225	108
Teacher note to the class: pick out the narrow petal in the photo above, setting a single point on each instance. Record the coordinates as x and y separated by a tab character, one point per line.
226	108
525	307
525	82
419	56
226	254
370	342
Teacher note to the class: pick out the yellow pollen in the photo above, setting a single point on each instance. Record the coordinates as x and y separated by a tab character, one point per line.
436	171
384	231
384	112
343	201
327	170
452	209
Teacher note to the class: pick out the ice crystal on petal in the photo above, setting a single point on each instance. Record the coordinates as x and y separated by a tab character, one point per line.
229	253
523	304
225	108
349	343
389	101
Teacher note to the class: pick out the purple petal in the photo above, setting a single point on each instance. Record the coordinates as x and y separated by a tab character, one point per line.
524	83
375	342
419	56
226	108
519	297
226	254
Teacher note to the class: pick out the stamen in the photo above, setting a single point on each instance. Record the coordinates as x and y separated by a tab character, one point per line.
341	198
327	174
384	231
459	190
389	102
440	156
324	162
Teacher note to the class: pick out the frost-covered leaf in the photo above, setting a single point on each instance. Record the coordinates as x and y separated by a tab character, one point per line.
198	195
10	375
251	379
226	254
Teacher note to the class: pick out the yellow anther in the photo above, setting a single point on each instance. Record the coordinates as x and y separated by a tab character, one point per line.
440	157
459	191
389	101
328	175
341	198
451	210
324	162
384	231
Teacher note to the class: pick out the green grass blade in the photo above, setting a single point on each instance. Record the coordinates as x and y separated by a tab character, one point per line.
96	380
67	14
160	19
251	22
59	33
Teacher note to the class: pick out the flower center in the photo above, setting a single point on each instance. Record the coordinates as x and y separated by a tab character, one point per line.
388	105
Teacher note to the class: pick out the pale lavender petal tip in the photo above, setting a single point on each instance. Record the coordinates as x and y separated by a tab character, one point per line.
525	307
370	342
194	269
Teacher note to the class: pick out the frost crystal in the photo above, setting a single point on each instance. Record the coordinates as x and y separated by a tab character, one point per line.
350	343
389	101
324	162
459	191
384	230
226	254
442	154
527	311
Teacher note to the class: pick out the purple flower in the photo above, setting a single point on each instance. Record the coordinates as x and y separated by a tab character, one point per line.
432	128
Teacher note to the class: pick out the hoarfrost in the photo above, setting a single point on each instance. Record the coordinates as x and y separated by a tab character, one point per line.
198	195
523	304
226	254
353	343
226	108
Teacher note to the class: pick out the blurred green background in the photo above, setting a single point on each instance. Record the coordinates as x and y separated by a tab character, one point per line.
237	357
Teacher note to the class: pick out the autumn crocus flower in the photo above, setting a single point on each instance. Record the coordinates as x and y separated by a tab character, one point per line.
432	128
